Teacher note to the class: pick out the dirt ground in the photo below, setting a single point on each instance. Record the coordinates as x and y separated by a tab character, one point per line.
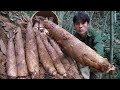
3	74
2	56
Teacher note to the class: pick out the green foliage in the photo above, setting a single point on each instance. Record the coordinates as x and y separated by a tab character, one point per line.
30	13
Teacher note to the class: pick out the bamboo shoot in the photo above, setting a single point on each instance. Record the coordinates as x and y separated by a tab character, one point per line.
77	49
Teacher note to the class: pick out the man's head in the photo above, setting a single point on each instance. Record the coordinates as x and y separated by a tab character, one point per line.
81	22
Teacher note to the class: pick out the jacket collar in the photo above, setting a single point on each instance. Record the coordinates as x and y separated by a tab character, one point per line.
88	33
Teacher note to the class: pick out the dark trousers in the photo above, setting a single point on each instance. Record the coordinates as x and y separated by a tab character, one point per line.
95	75
88	73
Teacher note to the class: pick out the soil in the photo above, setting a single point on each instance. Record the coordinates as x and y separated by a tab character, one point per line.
3	74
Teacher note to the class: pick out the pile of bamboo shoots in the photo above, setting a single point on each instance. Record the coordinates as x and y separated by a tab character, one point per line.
45	49
37	54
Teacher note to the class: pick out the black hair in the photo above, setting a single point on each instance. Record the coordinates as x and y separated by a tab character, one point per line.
81	17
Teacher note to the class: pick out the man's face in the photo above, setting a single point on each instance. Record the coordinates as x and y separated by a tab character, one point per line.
81	28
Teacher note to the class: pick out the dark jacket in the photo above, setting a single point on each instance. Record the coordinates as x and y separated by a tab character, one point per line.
93	40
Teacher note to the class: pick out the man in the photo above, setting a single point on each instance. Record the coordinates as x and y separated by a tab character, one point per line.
91	38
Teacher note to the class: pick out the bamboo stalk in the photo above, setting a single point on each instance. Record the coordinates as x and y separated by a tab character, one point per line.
111	38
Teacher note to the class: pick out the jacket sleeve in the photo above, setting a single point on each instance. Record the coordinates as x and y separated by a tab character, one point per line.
98	43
